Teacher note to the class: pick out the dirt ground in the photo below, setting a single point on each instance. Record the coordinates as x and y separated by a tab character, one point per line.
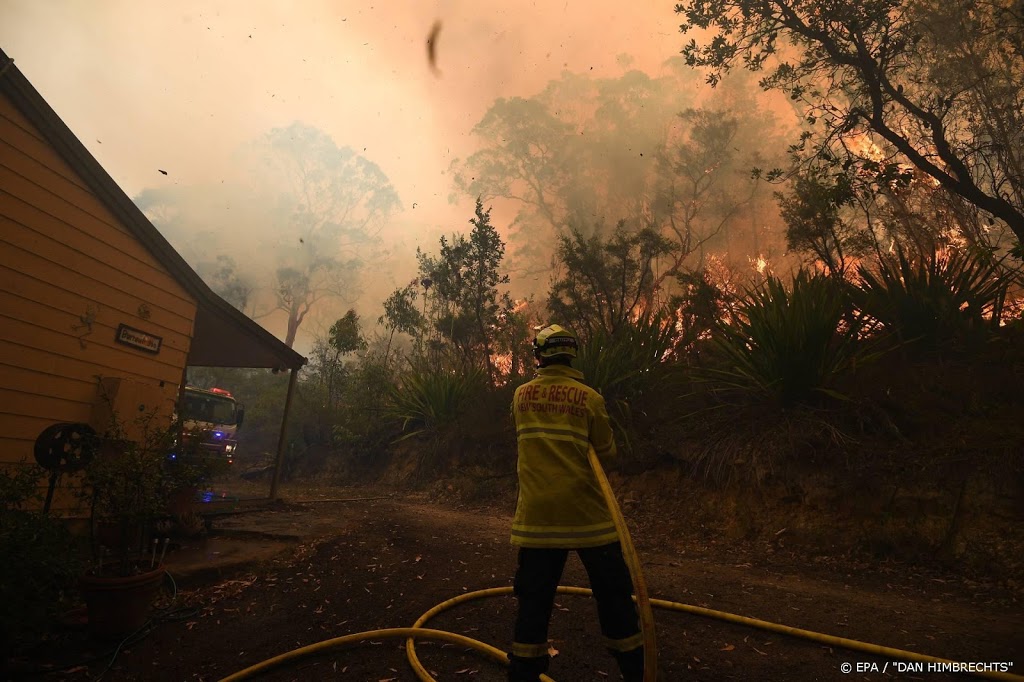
387	561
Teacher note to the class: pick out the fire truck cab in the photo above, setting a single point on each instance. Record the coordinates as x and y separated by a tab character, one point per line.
214	416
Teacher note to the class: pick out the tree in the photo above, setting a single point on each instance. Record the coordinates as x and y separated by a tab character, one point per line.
516	322
933	83
401	315
700	189
815	223
464	279
223	277
198	223
587	151
529	164
307	223
188	216
580	151
330	205
297	288
704	300
483	258
345	335
603	283
529	158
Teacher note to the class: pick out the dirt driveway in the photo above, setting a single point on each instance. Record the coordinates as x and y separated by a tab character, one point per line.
390	560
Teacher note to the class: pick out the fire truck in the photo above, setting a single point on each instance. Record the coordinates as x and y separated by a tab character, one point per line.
213	416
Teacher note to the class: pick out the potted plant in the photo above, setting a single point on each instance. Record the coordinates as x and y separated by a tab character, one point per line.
41	562
137	469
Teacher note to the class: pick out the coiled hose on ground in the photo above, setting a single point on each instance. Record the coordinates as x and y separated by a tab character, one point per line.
644	604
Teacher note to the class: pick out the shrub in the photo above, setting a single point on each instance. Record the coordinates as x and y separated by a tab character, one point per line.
934	300
618	365
428	400
624	365
704	299
787	345
41	561
142	463
358	427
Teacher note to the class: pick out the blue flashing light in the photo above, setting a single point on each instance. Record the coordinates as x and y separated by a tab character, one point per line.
218	434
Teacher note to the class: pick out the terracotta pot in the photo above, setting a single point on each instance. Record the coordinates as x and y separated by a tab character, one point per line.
118	605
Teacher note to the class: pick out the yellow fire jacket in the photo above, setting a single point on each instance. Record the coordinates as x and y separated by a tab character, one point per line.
558	418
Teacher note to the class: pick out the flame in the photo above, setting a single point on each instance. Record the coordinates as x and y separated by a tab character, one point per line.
862	145
502	363
956	238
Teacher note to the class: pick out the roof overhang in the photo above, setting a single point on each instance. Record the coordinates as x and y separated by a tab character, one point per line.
218	340
222	335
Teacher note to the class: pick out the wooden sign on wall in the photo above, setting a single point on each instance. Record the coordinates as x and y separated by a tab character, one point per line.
136	338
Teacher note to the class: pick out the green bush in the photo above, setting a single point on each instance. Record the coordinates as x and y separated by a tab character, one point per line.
931	301
787	345
427	400
141	465
626	364
619	365
41	561
358	427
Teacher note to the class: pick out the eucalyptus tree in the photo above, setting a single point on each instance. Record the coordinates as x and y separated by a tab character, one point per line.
636	147
329	204
293	235
884	84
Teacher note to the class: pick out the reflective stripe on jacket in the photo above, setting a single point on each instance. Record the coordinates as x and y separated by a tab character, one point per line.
558	418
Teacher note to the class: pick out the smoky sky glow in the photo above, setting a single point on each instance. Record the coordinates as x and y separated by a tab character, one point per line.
181	87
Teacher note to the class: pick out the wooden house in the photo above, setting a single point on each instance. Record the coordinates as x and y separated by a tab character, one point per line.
90	291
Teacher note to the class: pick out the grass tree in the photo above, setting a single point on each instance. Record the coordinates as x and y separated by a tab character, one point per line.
934	299
788	344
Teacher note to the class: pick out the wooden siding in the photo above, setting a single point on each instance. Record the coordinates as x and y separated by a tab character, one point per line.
70	273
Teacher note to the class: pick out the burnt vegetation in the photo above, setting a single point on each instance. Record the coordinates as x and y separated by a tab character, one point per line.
823	317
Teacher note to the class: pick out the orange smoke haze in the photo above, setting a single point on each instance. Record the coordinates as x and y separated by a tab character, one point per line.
150	85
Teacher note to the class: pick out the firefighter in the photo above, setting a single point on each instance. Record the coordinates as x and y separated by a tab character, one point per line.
561	508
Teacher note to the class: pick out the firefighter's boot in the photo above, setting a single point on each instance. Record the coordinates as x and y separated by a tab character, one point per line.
631	664
522	669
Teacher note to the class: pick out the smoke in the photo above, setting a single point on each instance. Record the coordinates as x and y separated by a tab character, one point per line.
184	86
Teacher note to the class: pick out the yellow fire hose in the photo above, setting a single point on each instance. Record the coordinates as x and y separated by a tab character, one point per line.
643	601
644	604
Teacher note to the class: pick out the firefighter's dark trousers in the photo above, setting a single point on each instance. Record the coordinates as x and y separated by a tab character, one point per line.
537	578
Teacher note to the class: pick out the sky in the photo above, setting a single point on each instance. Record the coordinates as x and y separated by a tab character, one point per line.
149	85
